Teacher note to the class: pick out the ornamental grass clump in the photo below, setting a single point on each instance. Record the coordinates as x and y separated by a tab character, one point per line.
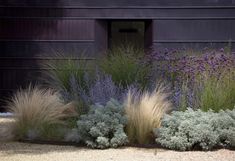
61	72
71	77
216	93
144	112
197	129
102	127
37	111
125	66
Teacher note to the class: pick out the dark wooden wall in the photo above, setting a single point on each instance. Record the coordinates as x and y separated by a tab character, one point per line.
32	31
117	3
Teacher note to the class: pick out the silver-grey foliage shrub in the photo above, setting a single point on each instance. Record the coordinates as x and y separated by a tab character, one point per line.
189	129
103	126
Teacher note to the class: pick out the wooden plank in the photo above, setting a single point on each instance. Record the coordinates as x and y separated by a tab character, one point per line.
45	49
33	30
116	3
194	30
116	12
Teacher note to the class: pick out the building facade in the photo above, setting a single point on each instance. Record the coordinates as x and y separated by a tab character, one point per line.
31	31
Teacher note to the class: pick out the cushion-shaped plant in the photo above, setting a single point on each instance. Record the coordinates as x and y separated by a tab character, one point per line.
103	126
185	130
39	113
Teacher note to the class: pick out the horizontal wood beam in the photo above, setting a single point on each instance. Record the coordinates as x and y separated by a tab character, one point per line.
121	7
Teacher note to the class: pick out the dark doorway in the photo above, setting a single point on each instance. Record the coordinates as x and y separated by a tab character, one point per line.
130	32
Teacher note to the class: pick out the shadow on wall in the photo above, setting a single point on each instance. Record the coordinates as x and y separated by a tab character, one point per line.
151	2
22	40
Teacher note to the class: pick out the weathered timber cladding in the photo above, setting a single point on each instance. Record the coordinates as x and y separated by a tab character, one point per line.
34	29
112	3
120	13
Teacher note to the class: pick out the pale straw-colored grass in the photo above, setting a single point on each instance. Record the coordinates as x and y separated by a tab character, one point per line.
144	113
34	108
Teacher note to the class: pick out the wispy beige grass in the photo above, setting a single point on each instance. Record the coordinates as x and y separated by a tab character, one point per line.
34	108
144	113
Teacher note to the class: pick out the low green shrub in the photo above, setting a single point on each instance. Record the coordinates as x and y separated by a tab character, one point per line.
102	127
190	129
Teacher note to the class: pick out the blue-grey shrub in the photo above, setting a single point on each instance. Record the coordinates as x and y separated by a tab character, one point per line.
104	88
99	90
185	130
77	93
102	127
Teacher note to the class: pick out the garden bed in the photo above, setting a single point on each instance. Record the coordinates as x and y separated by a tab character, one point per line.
121	105
5	121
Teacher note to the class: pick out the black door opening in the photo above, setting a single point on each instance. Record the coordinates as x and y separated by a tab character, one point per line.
137	33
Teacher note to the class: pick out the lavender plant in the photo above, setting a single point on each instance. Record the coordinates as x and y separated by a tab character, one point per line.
77	94
104	88
100	90
187	75
76	84
187	67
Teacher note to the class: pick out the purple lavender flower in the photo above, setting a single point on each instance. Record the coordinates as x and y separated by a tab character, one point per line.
104	88
177	69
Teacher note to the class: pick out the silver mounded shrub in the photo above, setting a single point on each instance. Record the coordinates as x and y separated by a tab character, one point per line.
103	126
190	129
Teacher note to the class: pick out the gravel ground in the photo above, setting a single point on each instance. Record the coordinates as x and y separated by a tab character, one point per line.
5	131
15	151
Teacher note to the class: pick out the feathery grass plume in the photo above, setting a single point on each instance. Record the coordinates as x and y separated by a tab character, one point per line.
144	112
36	110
